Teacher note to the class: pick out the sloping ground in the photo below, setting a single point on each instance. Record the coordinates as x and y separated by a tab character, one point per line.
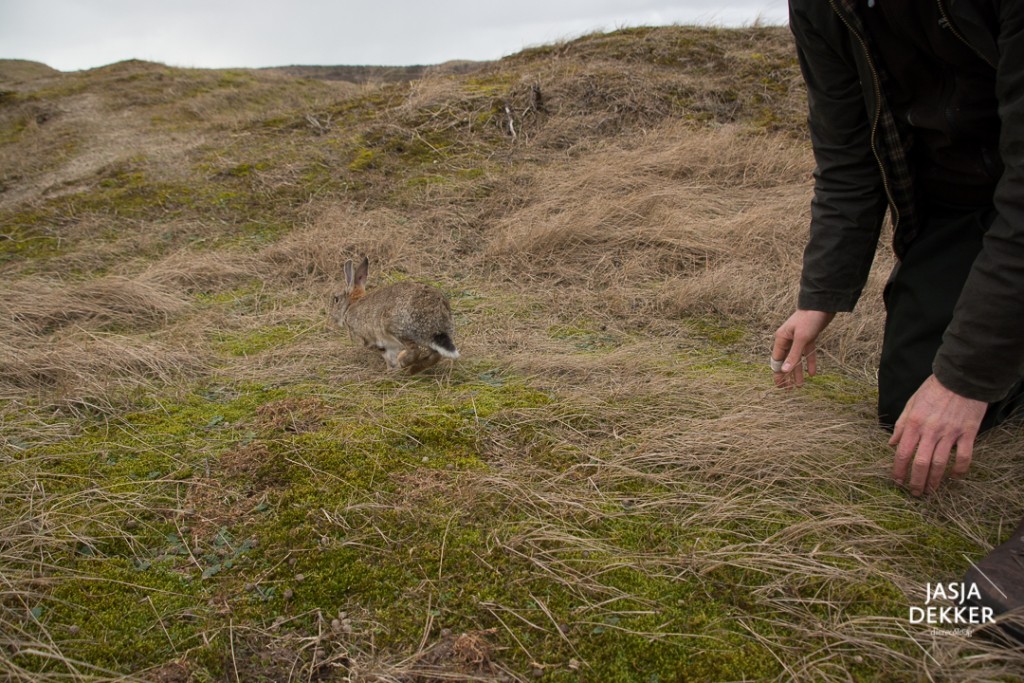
23	70
203	481
363	75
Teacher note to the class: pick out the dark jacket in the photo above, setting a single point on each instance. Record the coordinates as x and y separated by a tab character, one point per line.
861	169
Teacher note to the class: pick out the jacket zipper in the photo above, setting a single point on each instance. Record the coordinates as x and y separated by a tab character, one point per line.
877	82
948	23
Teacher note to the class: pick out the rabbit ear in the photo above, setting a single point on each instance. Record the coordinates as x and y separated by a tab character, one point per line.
349	278
361	272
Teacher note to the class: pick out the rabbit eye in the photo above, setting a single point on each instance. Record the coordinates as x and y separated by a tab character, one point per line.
337	298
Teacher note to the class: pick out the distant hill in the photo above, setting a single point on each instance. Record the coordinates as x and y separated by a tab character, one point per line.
19	70
22	70
375	74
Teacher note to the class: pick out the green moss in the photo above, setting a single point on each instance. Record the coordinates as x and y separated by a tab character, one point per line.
66	86
126	191
841	389
242	299
363	160
399	151
125	194
375	508
389	433
447	538
257	341
12	129
234	79
22	238
715	330
120	617
246	170
727	367
935	547
164	435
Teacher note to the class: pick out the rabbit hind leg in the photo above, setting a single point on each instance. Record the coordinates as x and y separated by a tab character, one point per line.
392	351
417	358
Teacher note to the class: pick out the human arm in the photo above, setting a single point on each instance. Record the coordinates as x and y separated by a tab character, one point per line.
982	352
849	200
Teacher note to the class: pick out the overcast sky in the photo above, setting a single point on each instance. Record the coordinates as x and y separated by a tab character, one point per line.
81	34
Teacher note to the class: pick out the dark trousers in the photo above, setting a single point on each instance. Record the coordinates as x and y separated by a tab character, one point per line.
919	300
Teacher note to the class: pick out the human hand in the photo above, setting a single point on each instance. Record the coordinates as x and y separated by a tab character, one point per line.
934	421
795	340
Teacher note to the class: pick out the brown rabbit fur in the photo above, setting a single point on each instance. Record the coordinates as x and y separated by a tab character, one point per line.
409	323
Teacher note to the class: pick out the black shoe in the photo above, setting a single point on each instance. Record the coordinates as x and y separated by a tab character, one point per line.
996	583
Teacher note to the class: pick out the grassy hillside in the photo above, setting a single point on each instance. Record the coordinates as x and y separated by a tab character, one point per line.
363	75
202	480
23	70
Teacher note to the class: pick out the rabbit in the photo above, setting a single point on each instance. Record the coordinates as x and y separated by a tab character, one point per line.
409	323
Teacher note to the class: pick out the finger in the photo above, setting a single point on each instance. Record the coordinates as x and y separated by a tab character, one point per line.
964	453
783	379
780	349
921	466
812	360
897	433
901	423
905	442
783	341
789	380
776	367
798	374
937	471
794	357
780	354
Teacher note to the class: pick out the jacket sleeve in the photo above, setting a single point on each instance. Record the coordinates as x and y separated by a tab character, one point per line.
982	352
849	199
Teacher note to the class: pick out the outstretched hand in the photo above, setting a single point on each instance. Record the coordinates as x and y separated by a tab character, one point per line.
934	422
794	341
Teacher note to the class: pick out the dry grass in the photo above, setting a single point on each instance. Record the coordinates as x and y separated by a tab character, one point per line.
621	262
80	342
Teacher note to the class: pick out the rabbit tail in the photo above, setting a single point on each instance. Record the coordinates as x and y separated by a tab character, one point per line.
443	344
